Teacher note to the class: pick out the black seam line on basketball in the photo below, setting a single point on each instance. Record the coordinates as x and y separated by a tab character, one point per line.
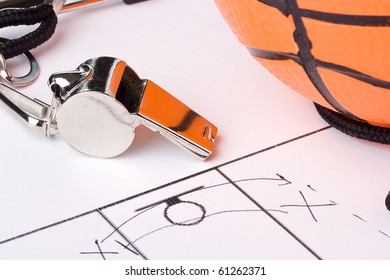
110	205
268	214
281	5
357	20
271	55
309	62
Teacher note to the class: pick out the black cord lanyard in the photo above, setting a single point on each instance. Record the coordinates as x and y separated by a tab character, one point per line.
43	14
355	128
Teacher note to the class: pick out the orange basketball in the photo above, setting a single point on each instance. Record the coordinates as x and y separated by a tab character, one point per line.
334	52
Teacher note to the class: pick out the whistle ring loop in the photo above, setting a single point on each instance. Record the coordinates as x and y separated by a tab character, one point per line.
23	80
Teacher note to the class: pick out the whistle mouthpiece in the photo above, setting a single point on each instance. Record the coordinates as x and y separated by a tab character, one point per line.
97	107
100	104
177	122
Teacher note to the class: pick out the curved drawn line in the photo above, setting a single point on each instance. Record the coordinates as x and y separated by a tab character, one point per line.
196	189
166	200
193	222
360	218
207	216
125	222
281	178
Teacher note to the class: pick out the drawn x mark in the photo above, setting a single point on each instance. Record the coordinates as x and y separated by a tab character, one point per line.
309	206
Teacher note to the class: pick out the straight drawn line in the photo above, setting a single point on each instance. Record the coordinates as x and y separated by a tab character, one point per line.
269	214
126	247
360	218
131	244
384	234
308	207
100	249
100	253
163	186
207	216
47	227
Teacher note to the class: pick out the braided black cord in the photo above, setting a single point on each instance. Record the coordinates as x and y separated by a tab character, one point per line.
353	127
43	14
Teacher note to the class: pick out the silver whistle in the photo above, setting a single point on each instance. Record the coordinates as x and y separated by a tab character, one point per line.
97	107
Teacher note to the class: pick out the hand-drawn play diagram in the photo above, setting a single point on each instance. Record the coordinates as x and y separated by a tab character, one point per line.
266	205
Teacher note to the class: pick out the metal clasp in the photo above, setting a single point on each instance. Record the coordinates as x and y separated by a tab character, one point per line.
97	107
27	79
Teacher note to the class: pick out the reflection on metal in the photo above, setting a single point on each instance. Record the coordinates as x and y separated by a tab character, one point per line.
97	107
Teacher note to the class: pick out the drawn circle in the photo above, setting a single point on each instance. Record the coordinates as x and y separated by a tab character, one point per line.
333	52
185	213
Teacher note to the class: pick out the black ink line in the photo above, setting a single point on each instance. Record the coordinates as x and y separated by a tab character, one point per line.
125	222
310	187
127	247
281	178
271	147
47	227
269	215
305	205
194	221
331	201
243	180
166	199
308	207
384	233
360	218
99	253
100	249
123	235
207	216
165	185
284	179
